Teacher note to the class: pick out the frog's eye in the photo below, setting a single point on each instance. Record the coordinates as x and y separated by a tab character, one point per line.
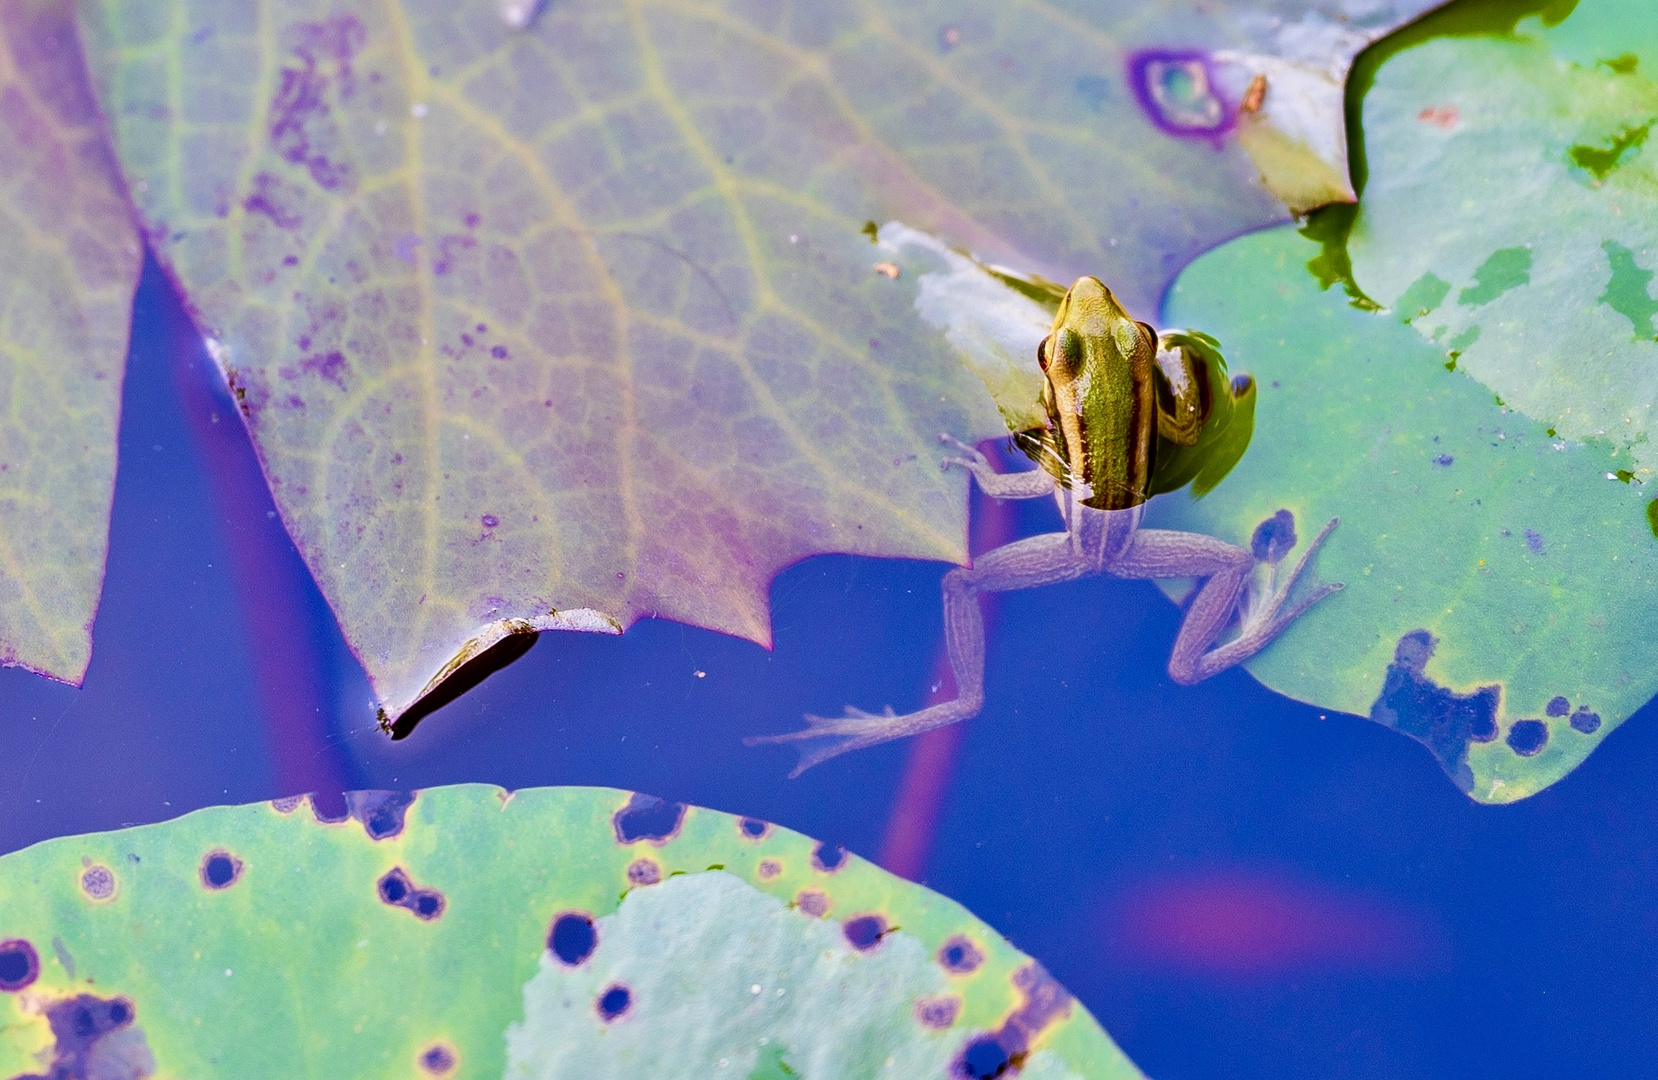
1065	346
1042	352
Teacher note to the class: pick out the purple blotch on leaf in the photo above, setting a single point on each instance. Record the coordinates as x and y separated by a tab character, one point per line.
287	804
329	807
1442	720
95	1039
499	352
19	965
614	1002
959	956
573	937
98	882
319	67
1274	538
1003	1052
753	828
647	817
438	1059
1443	459
1528	737
985	1058
220	869
380	812
1585	721
1176	90
828	857
937	1013
1534	541
865	932
490	521
812	902
270	200
644	872
398	890
1558	706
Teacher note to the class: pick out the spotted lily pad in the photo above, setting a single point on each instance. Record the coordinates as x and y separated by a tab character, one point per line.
1499	587
557	320
69	261
542	933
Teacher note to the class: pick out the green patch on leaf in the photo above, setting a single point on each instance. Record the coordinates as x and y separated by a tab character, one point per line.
1602	160
490	921
1627	292
1424	294
1506	269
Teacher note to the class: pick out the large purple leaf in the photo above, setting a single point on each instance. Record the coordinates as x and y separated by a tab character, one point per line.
69	261
566	325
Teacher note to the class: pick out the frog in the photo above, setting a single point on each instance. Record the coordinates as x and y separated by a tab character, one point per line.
1117	396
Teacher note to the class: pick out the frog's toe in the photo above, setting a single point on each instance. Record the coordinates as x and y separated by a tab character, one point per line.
839	735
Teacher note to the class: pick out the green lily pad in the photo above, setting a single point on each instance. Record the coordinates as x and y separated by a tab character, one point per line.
556	322
1499	586
1511	215
469	931
69	260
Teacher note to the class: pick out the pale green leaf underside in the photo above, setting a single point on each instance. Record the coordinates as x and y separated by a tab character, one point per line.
302	970
689	376
1459	517
69	261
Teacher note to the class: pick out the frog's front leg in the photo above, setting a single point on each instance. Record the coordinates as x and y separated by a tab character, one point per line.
1023	564
1228	570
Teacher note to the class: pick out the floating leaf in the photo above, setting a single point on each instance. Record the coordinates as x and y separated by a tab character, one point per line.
471	931
561	322
1511	216
69	261
1500	581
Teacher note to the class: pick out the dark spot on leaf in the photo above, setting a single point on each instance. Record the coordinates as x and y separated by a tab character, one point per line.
329	807
573	937
19	965
828	858
985	1058
865	932
98	882
871	230
95	1039
273	199
1440	719
396	889
1273	538
770	868
287	804
1443	459
937	1012
959	956
812	902
317	70
499	352
380	812
220	869
647	817
1527	737
1585	721
1534	541
754	828
644	872
1558	706
614	1002
438	1059
489	521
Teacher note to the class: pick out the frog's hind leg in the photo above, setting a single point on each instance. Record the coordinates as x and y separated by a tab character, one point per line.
1156	553
1023	564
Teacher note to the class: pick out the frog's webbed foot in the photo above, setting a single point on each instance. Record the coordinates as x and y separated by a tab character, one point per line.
858	729
970	459
1263	614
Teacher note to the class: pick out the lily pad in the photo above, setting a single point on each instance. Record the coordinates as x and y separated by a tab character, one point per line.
1499	586
69	260
563	320
472	931
1511	215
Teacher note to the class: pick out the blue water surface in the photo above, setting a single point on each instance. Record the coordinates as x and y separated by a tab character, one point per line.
1235	884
